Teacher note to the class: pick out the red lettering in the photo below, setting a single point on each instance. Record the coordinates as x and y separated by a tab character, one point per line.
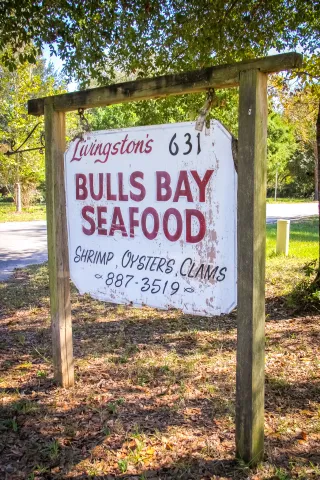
98	149
132	221
148	148
202	183
105	152
117	223
130	147
124	141
96	196
81	186
74	158
101	220
84	150
125	146
110	195
139	146
92	147
175	236
153	212
163	182
122	197
135	196
202	226
183	192
85	211
115	148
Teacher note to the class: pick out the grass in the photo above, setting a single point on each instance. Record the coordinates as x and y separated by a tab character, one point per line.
284	273
8	213
303	239
155	391
289	200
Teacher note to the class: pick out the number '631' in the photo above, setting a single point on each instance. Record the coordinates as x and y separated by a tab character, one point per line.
174	147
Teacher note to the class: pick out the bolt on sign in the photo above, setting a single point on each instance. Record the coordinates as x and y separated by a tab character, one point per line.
151	217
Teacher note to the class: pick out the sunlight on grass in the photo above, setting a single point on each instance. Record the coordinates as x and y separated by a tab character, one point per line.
283	273
290	200
8	213
303	239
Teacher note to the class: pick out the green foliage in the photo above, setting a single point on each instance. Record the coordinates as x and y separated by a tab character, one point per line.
281	147
16	88
306	294
167	110
301	181
144	38
123	465
297	101
8	213
52	449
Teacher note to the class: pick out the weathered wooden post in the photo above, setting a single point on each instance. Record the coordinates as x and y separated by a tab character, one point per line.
251	264
58	246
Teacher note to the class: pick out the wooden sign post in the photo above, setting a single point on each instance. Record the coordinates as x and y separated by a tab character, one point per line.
251	76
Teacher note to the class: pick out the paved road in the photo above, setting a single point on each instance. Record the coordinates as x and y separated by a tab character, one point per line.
25	243
290	211
21	244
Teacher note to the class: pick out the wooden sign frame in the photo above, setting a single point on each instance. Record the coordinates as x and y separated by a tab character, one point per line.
251	77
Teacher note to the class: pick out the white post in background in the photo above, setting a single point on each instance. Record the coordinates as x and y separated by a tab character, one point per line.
283	233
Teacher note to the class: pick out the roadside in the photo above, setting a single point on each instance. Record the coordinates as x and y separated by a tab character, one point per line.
8	213
22	244
25	243
291	211
286	205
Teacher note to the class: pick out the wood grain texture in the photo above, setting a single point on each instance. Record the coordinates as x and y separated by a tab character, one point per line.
252	148
58	247
221	76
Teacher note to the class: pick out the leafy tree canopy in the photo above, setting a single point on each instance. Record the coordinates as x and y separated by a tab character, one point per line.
16	88
281	145
147	37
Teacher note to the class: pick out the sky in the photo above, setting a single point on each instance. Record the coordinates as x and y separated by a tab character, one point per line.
58	65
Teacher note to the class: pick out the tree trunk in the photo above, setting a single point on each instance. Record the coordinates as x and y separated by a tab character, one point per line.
18	198
318	165
316	177
317	279
18	185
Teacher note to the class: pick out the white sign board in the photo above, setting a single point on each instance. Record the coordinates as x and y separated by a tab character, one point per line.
152	217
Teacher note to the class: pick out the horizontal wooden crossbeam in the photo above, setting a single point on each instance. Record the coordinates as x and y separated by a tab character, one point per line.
221	76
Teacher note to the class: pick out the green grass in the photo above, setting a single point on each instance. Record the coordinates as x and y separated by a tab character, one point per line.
283	274
8	213
303	239
290	200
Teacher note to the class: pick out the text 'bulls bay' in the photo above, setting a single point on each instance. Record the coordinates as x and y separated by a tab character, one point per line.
111	187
